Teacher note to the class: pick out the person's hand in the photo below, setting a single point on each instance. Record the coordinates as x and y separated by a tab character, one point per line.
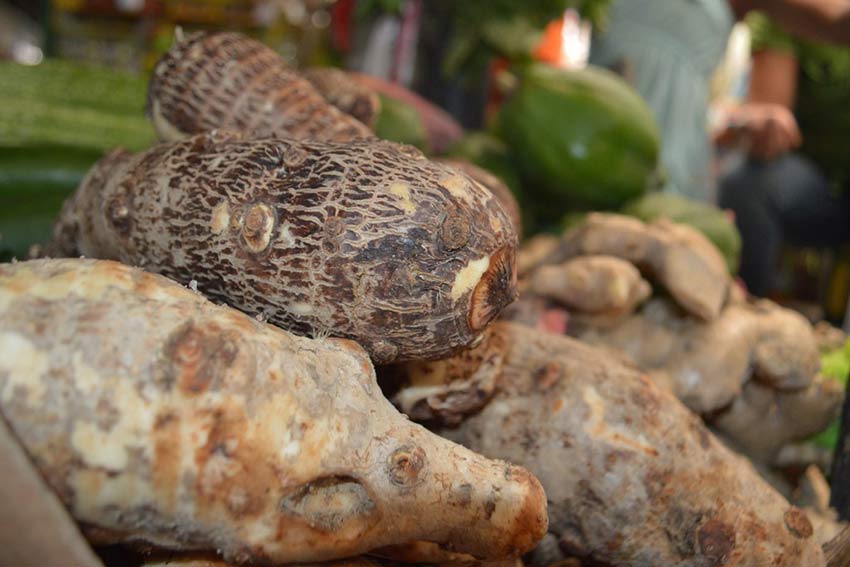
767	130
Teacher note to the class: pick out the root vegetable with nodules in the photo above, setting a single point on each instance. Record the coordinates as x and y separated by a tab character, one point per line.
227	80
158	417
366	240
632	477
678	257
344	92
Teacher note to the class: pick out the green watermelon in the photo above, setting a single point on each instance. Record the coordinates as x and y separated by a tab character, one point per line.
400	122
583	139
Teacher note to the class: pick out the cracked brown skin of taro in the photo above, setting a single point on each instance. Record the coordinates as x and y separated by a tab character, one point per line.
160	418
344	92
366	240
227	80
494	184
632	477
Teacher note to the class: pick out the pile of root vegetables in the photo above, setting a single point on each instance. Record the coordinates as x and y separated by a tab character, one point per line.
274	338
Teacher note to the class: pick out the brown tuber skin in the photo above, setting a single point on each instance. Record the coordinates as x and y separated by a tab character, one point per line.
160	418
680	258
344	92
494	184
227	80
632	477
366	240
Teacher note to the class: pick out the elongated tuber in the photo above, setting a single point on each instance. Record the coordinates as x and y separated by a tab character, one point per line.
159	417
344	92
227	80
632	477
680	258
707	364
367	240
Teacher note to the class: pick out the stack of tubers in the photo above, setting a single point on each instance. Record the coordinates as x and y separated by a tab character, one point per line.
255	432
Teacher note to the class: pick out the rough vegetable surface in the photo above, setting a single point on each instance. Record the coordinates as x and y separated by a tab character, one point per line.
677	256
632	477
344	92
367	240
494	184
707	364
159	417
227	80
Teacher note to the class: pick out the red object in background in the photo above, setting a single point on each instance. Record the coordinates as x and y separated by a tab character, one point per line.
551	47
548	50
342	19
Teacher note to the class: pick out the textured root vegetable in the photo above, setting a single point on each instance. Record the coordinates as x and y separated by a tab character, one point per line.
494	184
367	240
227	80
346	93
632	477
763	419
707	364
159	417
677	256
602	288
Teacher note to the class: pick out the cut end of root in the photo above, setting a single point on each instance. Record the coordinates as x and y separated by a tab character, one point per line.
497	289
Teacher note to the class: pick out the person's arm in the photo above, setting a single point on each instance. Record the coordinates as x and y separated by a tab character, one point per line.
765	123
817	20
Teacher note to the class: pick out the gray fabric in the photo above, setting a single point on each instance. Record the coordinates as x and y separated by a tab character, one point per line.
672	47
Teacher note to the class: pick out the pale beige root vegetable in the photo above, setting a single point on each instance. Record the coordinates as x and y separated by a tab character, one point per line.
227	80
632	477
366	240
496	186
707	364
678	257
159	417
763	419
533	251
598	289
347	94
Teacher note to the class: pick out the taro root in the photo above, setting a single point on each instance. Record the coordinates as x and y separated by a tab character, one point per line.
159	417
680	258
227	80
496	186
632	477
344	92
366	240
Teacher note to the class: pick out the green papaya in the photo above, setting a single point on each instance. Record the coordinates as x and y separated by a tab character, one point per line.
400	122
714	223
582	138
